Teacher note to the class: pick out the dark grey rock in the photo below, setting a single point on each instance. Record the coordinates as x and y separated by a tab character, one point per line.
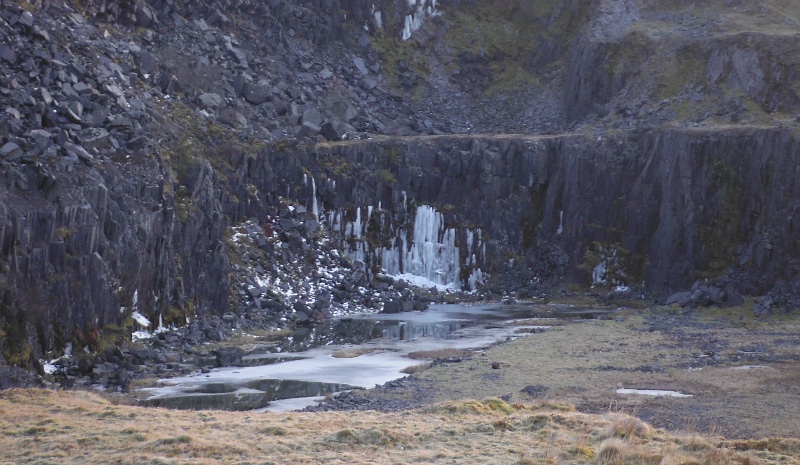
46	97
26	19
313	116
147	62
228	356
8	54
40	33
308	130
74	150
82	88
210	100
360	66
99	115
535	390
257	93
145	17
231	117
137	143
10	151
681	298
93	138
74	111
370	82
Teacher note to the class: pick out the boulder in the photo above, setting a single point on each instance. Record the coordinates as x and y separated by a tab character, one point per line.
333	131
256	93
308	130
7	54
228	356
74	150
147	63
210	100
231	117
94	138
10	151
360	66
313	116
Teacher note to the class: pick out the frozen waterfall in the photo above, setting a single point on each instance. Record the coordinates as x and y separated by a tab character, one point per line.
425	255
433	254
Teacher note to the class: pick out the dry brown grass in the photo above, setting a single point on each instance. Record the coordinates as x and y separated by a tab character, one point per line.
439	353
418	368
583	362
39	426
626	426
613	452
352	353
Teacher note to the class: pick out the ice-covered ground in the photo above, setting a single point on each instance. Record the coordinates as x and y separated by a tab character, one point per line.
385	362
652	392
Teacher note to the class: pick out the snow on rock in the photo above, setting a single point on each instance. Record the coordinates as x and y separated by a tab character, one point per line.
141	319
289	269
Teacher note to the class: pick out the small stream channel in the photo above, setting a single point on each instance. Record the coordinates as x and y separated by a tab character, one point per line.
302	368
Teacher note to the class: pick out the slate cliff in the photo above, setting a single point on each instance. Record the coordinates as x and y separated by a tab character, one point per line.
651	152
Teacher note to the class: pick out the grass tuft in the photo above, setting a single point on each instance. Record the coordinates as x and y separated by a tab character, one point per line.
274	431
498	405
439	353
626	426
180	439
352	353
612	452
695	443
413	369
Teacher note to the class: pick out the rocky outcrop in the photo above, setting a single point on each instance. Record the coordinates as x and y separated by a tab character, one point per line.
673	206
137	138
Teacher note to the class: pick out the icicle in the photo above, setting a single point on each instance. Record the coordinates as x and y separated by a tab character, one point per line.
314	205
560	222
356	230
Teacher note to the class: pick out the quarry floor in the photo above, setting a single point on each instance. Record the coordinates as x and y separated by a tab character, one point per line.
742	373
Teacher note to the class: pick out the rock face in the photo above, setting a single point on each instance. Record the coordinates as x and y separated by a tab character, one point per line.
674	206
130	156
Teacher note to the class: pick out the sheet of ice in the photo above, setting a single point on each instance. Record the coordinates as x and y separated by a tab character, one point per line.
364	371
749	367
382	365
652	392
290	405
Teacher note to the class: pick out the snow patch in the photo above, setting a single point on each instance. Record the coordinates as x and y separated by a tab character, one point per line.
423	282
141	319
652	392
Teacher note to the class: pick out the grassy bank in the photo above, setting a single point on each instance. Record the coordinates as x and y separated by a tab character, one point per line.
38	426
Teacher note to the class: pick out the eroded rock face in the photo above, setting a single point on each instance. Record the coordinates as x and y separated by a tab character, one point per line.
671	207
127	153
681	205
